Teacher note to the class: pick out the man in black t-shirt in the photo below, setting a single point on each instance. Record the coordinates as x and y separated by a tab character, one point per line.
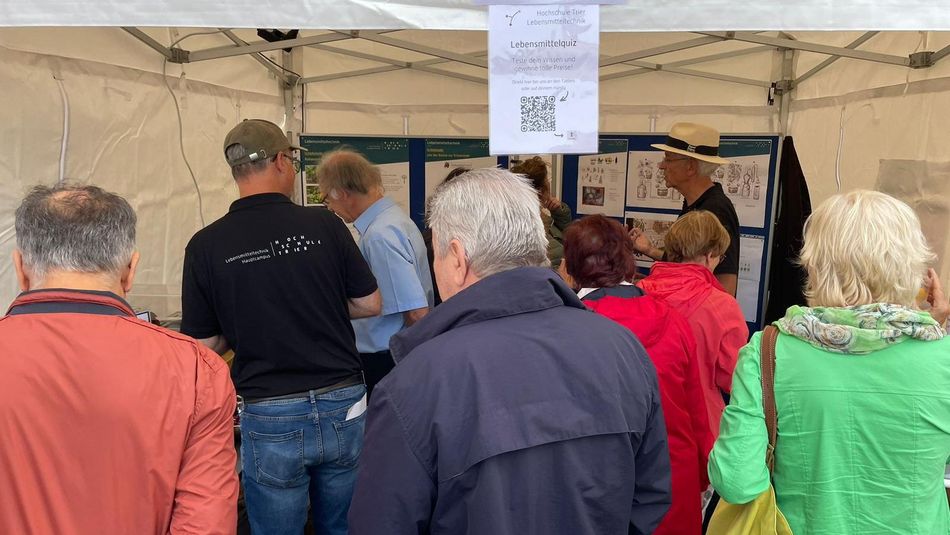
278	283
692	156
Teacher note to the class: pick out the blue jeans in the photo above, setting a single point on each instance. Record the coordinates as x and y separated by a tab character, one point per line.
295	449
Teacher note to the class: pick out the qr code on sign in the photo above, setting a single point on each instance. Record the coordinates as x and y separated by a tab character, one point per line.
537	114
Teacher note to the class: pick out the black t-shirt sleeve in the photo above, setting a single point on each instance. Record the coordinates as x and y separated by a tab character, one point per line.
198	318
360	281
726	214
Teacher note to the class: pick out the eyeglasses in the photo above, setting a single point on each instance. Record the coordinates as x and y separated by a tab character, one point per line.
293	160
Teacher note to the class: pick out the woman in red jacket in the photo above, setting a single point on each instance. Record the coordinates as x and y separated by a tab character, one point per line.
598	260
693	248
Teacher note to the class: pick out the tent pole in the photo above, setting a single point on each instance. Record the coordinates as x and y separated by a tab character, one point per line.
785	102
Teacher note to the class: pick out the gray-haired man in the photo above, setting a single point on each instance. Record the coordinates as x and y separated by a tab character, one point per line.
109	424
279	283
511	404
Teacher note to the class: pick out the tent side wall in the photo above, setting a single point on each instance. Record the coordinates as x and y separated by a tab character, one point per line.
124	137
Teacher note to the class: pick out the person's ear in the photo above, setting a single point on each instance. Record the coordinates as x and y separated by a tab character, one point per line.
128	272
22	277
457	264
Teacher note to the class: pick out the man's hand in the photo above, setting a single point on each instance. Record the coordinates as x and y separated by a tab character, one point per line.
643	245
939	305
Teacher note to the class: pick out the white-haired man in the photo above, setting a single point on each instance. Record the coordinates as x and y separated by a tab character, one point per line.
512	408
109	424
692	156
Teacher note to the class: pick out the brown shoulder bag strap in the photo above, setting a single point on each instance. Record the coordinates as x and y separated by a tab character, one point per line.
767	359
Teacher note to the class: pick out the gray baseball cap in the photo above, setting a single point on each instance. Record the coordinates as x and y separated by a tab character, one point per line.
261	139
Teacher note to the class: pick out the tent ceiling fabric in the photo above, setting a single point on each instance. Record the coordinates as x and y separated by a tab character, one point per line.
636	15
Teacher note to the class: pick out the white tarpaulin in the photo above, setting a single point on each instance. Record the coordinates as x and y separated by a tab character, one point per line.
848	120
636	15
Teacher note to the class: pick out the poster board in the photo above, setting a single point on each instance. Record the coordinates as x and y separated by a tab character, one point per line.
411	167
749	180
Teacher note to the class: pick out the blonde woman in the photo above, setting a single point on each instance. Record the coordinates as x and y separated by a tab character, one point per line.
861	384
694	246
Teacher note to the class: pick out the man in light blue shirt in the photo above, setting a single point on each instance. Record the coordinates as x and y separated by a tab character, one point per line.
393	248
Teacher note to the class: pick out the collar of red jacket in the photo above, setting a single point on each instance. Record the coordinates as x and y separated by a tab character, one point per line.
63	295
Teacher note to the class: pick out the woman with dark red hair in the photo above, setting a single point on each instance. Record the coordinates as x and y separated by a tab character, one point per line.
599	263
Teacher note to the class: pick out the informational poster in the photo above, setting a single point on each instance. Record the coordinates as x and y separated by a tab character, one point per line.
443	155
390	155
654	226
646	183
745	179
751	249
543	78
602	179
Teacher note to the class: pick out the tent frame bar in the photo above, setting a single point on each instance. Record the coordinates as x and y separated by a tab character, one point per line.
151	43
376	37
656	51
265	46
279	73
877	57
424	66
818	68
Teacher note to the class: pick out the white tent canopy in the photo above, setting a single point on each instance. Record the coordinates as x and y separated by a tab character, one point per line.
858	103
632	16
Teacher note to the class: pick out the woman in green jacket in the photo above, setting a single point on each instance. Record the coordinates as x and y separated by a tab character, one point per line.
862	384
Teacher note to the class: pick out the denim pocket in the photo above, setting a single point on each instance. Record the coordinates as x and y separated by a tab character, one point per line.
279	458
349	435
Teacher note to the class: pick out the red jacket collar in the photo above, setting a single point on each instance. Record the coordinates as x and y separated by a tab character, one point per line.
61	295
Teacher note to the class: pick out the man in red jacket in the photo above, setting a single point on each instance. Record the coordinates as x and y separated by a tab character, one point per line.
109	424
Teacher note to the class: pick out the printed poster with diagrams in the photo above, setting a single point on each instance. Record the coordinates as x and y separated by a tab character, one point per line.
443	155
655	226
745	180
391	155
646	183
751	249
602	179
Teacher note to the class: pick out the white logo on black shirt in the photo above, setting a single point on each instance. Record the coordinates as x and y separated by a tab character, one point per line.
293	244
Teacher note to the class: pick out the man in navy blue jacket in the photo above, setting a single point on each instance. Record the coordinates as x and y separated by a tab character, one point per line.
512	409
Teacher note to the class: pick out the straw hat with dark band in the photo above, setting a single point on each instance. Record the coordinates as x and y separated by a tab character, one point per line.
694	140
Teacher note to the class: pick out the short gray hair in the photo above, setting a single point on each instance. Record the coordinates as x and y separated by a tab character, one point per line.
235	151
863	247
348	170
74	228
495	215
706	168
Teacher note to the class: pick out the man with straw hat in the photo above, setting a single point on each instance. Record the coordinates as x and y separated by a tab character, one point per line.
692	156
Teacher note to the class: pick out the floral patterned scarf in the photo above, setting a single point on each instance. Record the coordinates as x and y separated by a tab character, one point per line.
858	330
